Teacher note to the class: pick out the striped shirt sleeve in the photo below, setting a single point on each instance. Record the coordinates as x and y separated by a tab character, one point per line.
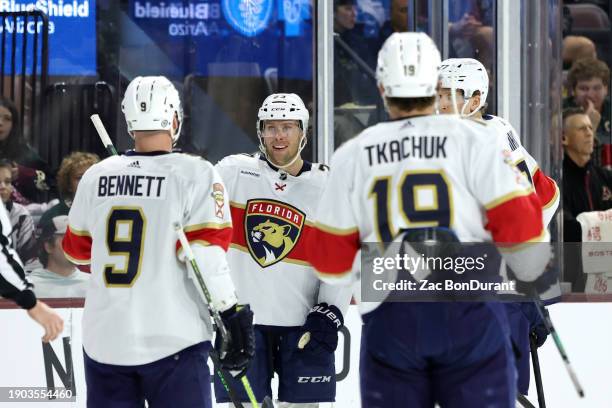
13	282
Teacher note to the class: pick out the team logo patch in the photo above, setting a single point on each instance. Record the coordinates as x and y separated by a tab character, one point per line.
249	17
218	196
272	229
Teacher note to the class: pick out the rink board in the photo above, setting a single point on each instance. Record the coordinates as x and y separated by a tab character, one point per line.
584	329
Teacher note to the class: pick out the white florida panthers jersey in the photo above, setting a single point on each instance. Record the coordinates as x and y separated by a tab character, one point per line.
545	187
140	305
424	171
272	214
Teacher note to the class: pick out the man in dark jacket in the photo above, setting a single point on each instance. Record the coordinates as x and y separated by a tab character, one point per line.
586	186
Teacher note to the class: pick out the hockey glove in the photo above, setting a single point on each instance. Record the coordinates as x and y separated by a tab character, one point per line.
538	286
320	332
539	333
238	321
537	328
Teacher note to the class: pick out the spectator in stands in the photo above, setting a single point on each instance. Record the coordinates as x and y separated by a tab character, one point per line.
398	20
69	174
586	186
30	172
22	236
471	31
588	82
58	278
576	47
352	84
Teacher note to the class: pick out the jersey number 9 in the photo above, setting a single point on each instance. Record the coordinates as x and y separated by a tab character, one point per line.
413	185
125	237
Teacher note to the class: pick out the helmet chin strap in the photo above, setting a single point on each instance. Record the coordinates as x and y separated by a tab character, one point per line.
303	142
466	104
454	97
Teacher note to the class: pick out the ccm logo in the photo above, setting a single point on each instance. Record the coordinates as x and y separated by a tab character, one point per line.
319	379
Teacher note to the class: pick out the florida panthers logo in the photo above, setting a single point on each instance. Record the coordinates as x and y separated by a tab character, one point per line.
272	229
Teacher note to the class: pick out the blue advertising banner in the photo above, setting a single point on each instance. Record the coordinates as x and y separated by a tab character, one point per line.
72	35
200	36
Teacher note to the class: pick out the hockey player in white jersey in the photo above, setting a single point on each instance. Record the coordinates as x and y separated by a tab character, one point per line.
273	198
470	80
145	330
469	77
416	171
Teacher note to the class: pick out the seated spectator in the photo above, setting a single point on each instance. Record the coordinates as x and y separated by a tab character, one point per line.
69	174
588	82
58	278
22	237
30	172
576	47
586	186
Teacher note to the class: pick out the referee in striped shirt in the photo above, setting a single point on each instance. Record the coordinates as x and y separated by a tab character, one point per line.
15	286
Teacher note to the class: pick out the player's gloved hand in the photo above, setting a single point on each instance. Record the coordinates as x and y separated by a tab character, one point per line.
320	332
539	333
538	286
238	321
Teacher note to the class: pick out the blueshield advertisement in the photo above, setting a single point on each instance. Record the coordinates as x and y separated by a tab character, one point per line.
195	35
72	35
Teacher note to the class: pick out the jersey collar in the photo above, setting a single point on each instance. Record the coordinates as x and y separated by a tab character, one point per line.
306	166
407	117
153	153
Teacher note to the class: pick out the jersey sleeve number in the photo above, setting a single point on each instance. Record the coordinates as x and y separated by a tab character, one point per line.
425	200
125	232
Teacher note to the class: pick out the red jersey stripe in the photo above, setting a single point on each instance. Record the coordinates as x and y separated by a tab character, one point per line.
77	247
209	234
516	220
332	254
546	188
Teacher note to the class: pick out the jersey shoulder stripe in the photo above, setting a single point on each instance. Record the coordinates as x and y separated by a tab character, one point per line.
77	246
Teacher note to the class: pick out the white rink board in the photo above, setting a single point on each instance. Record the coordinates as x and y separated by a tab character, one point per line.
584	328
22	361
586	332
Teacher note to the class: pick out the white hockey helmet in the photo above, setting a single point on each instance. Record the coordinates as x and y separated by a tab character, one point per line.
152	103
408	66
466	74
283	106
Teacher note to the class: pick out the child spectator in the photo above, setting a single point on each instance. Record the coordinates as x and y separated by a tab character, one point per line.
68	176
58	278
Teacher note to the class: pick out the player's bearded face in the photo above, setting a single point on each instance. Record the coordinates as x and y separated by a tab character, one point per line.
445	101
282	140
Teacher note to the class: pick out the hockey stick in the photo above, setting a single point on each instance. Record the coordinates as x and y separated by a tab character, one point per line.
214	356
225	337
551	329
535	361
108	144
106	140
525	403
